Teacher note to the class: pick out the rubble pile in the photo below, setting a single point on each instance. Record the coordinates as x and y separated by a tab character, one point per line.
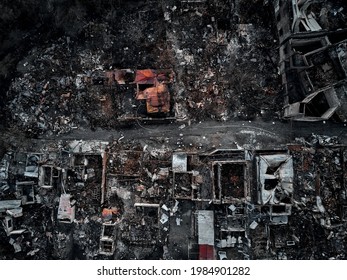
83	198
319	196
58	201
219	53
64	85
149	131
52	96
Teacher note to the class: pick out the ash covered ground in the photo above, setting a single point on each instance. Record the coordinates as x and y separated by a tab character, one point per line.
173	129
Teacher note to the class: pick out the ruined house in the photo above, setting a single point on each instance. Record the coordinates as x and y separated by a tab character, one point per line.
312	60
275	185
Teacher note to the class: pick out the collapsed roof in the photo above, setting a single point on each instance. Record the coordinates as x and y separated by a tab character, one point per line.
275	177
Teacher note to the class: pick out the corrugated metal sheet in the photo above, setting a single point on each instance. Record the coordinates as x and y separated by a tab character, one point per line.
146	76
66	212
158	99
205	227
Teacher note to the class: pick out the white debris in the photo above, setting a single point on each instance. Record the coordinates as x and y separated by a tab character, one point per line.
175	208
253	225
232	207
165	207
164	218
319	204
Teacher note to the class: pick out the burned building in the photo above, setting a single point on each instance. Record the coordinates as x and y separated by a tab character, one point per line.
219	204
50	176
143	131
128	95
230	177
151	86
10	209
25	191
275	185
107	240
312	59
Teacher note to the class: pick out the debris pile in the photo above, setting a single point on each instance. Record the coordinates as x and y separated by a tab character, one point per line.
68	84
84	197
207	187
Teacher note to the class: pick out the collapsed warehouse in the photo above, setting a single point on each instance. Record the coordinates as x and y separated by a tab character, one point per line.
128	85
